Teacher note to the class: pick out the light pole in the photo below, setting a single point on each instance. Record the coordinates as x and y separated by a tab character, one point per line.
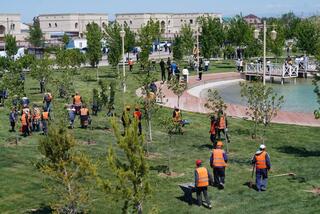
273	35
122	35
198	50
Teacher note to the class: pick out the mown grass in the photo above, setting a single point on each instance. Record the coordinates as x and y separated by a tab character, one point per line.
292	149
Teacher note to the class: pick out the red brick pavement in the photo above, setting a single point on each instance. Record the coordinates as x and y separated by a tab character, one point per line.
192	103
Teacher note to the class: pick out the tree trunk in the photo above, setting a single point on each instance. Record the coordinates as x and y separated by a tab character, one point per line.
178	101
149	126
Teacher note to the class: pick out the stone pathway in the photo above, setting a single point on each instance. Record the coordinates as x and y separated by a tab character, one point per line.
192	103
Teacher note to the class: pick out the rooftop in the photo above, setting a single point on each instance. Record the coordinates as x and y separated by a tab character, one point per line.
72	14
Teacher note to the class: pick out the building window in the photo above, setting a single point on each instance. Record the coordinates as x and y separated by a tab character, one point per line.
163	26
130	22
191	21
12	26
181	20
49	25
55	24
125	23
103	24
76	25
2	29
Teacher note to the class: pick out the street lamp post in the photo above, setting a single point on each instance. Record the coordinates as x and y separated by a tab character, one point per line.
198	50
273	37
122	35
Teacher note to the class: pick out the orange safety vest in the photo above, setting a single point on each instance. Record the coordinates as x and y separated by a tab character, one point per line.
24	120
84	112
77	99
203	177
222	123
137	114
261	162
212	128
218	160
177	118
45	115
37	115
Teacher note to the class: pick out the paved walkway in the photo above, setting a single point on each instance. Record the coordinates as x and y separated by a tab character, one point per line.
189	102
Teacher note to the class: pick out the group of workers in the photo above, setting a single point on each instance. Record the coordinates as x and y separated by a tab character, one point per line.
126	118
32	119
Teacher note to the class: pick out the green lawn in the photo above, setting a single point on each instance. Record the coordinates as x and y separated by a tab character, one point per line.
292	149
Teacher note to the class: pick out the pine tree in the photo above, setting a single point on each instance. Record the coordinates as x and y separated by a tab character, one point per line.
35	34
94	36
68	173
130	169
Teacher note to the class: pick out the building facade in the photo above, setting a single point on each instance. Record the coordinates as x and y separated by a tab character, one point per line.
170	23
10	24
73	24
253	20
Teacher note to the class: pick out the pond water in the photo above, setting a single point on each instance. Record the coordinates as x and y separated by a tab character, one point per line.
298	97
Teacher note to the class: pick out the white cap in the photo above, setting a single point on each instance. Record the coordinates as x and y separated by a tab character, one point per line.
262	146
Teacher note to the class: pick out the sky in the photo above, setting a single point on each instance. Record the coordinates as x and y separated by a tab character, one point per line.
30	8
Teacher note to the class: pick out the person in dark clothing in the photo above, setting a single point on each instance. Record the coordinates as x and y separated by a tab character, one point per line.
218	161
262	162
42	83
163	70
138	116
202	179
13	116
200	72
169	68
177	73
125	118
153	87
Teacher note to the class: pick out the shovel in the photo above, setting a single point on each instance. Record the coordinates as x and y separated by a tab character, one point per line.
250	183
285	174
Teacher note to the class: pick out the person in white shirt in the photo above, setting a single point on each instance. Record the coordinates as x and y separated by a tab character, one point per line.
185	74
206	65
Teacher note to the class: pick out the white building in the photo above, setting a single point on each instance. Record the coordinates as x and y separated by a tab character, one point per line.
170	23
73	24
11	24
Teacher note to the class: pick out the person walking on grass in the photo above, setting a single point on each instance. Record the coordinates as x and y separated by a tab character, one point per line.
163	70
261	160
45	116
218	162
223	125
213	130
13	116
201	179
137	115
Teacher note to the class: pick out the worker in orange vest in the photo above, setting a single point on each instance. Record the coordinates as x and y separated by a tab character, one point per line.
137	114
223	126
25	124
202	179
218	161
213	130
84	116
261	160
130	63
36	119
45	116
77	102
177	119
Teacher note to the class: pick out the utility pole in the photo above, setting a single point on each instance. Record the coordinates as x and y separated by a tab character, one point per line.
264	50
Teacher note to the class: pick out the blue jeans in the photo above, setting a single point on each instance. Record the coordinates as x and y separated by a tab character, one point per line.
261	179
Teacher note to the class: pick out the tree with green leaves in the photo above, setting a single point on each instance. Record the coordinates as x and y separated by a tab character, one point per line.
68	172
290	23
177	49
65	40
129	40
94	36
147	35
35	34
215	103
307	35
11	45
212	36
187	39
130	170
177	88
112	35
70	59
41	70
263	104
276	46
316	80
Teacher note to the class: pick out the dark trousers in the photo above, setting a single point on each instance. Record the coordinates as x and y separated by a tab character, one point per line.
213	139
130	67
224	132
203	190
25	130
12	124
44	127
140	128
163	75
200	75
261	179
219	175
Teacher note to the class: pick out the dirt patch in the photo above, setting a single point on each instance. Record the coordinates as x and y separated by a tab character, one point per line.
153	155
88	142
315	191
171	175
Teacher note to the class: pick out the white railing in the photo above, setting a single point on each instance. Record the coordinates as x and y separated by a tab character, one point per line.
280	70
